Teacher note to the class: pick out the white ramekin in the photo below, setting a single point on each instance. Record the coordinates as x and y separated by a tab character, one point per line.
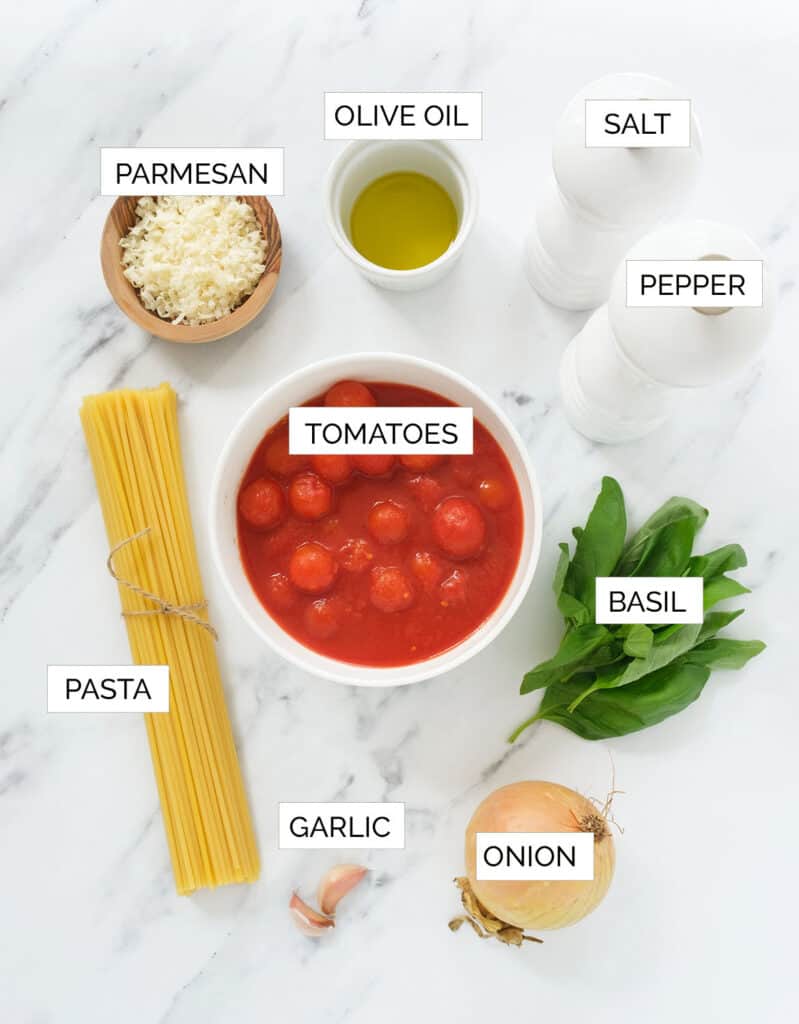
298	388
359	163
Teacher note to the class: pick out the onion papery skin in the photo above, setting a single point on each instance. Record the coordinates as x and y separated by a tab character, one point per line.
539	807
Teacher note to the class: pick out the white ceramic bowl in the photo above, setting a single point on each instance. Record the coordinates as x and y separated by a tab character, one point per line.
298	388
359	163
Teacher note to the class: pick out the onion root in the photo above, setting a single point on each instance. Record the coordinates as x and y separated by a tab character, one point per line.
483	923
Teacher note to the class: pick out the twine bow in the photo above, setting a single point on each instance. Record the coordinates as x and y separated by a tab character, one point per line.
183	611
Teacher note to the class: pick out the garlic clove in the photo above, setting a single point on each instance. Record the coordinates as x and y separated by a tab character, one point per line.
308	921
336	883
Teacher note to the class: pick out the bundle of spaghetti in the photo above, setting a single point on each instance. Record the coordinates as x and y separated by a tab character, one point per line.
134	446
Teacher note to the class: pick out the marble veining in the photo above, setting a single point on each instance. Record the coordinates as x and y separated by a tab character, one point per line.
92	928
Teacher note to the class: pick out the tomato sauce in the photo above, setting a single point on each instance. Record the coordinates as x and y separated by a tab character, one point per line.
379	560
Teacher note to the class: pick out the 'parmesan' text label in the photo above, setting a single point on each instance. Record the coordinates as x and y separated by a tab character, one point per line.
134	171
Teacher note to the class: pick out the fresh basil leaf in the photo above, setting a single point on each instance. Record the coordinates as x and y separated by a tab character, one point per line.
609	682
573	610
671	627
627	709
717	562
719	588
602	656
715	622
666	646
669	551
599	545
672	511
638	641
574	648
561	569
722	652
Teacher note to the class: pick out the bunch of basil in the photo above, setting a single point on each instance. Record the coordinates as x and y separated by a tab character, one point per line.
611	680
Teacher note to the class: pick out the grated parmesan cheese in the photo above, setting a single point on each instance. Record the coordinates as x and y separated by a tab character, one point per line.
193	259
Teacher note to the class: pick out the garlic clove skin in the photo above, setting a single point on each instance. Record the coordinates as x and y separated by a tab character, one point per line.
309	921
336	883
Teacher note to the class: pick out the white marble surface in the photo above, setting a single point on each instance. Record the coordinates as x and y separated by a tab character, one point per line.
698	925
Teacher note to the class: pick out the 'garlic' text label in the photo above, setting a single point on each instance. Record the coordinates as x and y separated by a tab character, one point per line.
341	826
534	856
403	115
381	430
638	124
107	688
136	171
712	284
651	600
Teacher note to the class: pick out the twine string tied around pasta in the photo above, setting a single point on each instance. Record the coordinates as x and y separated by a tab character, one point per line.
162	607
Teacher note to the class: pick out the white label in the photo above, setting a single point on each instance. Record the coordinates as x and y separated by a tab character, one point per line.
134	171
535	856
638	124
107	688
342	826
649	599
403	115
381	430
704	284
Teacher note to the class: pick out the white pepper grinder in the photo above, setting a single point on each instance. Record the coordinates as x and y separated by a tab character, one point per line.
603	199
622	373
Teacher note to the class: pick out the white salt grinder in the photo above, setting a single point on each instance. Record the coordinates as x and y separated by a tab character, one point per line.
603	199
621	375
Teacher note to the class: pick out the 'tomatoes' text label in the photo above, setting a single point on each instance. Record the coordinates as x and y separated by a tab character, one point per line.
382	430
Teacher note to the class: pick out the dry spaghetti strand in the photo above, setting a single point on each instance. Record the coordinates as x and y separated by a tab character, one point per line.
134	446
162	607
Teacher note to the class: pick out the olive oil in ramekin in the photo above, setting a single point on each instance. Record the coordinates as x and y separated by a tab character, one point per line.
403	220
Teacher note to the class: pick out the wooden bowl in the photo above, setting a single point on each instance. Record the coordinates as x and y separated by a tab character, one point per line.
121	218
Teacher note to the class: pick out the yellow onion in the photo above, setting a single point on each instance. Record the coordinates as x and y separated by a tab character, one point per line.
514	906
